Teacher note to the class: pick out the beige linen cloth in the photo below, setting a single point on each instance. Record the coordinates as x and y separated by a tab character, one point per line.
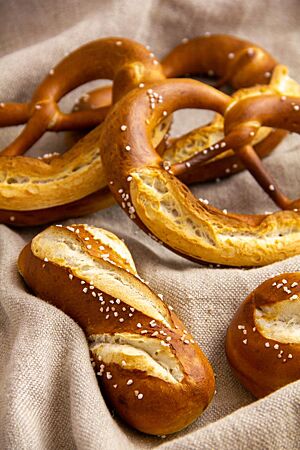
49	396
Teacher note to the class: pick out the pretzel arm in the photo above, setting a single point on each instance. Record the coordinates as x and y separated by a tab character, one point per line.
14	114
255	166
34	129
235	61
190	166
220	167
272	110
79	120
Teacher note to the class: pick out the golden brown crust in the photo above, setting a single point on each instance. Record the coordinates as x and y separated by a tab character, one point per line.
151	196
240	64
261	363
100	199
145	365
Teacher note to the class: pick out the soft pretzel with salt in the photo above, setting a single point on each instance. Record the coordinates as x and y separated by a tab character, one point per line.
242	123
150	369
41	191
231	61
263	338
194	148
149	192
34	191
235	62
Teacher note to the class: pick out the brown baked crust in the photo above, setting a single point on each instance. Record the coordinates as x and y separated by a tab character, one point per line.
32	189
262	364
243	123
122	60
149	403
238	62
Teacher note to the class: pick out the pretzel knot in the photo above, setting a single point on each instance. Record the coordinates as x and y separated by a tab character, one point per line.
148	191
38	191
229	60
243	122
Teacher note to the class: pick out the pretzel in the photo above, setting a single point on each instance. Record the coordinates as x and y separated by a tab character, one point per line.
281	84
234	61
150	369
124	61
243	122
194	145
34	192
37	191
263	338
148	191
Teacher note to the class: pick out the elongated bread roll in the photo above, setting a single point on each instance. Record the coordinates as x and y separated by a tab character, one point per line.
150	368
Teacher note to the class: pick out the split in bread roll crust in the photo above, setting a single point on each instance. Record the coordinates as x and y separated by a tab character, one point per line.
263	339
150	368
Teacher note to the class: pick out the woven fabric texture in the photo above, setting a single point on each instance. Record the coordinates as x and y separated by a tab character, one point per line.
49	396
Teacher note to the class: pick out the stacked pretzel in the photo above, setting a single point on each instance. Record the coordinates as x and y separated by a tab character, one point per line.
129	156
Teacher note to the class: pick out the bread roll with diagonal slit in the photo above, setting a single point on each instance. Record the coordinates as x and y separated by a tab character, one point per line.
150	368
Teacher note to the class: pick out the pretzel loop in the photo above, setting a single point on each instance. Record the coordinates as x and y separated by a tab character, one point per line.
125	61
148	192
244	119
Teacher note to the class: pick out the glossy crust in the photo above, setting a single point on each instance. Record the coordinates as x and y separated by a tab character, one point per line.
242	123
150	369
265	354
235	62
124	61
196	148
32	189
100	199
149	193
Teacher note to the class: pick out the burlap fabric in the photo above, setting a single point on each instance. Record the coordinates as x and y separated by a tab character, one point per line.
49	397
